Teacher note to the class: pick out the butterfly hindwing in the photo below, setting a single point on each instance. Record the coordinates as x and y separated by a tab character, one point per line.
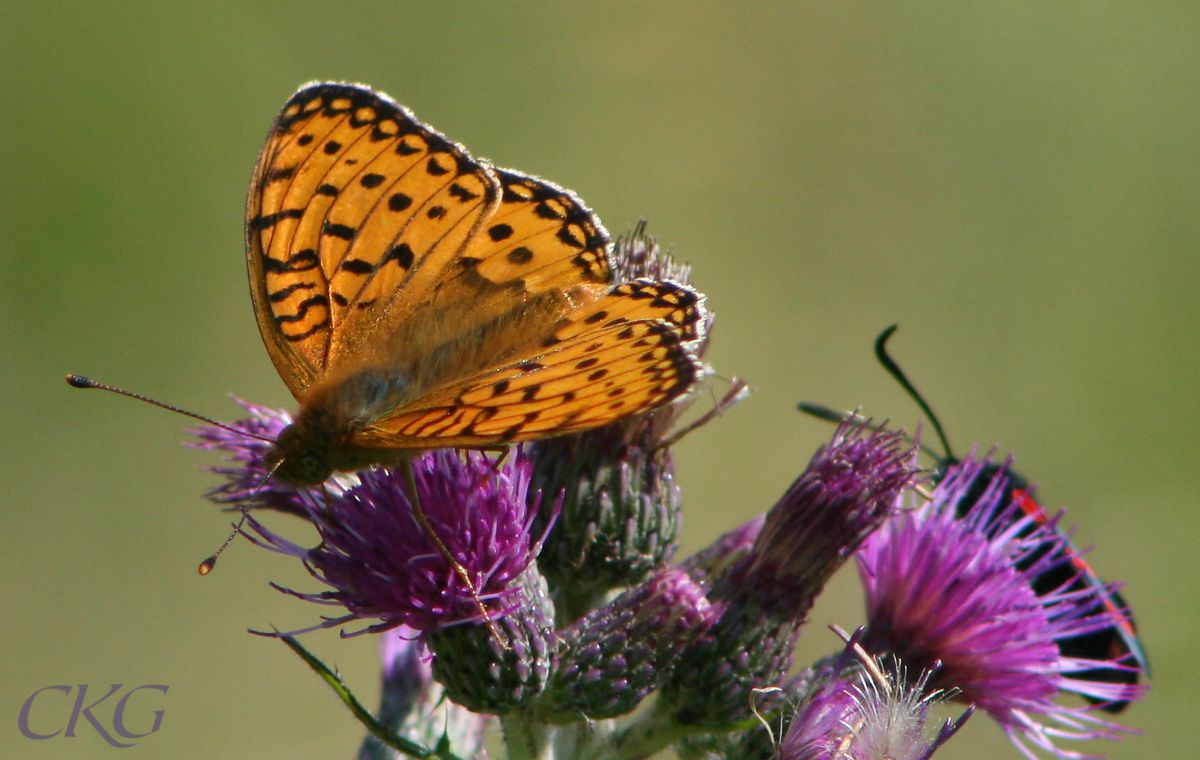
589	372
671	302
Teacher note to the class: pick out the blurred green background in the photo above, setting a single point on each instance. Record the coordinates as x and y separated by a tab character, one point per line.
1017	186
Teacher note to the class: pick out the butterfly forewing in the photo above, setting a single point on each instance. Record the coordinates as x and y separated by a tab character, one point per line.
350	197
539	255
542	236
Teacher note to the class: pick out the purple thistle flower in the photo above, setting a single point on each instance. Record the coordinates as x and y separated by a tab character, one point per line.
614	656
855	717
851	485
247	478
502	667
381	564
637	254
959	591
849	488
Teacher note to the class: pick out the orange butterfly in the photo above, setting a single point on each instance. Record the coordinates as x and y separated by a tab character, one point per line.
414	297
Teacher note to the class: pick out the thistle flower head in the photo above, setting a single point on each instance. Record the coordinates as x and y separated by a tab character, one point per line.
959	591
501	667
614	656
850	486
731	547
247	480
379	561
638	254
764	594
868	715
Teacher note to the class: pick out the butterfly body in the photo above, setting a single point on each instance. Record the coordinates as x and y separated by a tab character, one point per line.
414	297
321	439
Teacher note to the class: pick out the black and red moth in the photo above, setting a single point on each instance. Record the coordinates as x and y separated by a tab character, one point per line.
1118	642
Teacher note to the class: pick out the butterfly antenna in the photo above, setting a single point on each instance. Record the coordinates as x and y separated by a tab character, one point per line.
206	567
898	375
79	381
410	480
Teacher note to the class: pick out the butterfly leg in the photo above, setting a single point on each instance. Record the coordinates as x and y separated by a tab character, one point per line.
410	481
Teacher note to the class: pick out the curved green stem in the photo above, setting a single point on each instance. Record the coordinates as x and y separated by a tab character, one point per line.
526	737
364	716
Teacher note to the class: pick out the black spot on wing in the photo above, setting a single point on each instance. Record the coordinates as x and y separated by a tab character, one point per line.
266	221
567	236
283	293
462	193
333	229
400	253
545	211
520	255
323	324
281	172
399	202
298	262
302	309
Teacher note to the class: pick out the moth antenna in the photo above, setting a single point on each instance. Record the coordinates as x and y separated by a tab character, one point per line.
79	381
206	567
829	414
898	375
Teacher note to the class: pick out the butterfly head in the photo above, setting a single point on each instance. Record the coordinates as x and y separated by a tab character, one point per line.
300	457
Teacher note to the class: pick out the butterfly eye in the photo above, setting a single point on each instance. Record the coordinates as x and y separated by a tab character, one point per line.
303	468
294	459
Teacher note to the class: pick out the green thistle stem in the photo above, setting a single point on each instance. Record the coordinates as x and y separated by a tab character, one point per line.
526	737
642	738
364	716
